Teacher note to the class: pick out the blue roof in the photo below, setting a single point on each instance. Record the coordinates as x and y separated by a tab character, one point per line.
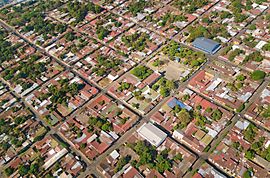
206	45
175	102
172	103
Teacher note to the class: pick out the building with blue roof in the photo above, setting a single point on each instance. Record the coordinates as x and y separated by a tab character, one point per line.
207	45
175	102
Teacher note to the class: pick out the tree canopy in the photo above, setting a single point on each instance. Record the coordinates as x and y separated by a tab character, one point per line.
141	72
257	75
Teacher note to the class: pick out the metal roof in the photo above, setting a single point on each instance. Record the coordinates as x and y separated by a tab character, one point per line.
175	102
206	45
152	134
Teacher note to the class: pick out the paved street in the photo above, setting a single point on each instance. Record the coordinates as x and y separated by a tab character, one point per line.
143	118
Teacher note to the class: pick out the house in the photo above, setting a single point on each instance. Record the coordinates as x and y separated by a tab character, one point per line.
131	172
206	45
173	102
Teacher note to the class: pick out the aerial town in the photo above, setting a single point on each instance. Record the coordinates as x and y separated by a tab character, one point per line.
135	88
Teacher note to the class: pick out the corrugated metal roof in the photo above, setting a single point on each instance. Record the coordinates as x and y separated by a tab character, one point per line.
175	102
206	45
152	134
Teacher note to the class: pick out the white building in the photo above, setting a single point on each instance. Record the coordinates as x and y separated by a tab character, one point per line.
152	134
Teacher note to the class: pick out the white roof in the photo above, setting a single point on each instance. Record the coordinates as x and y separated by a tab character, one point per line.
152	134
265	93
260	44
212	132
267	144
92	138
245	97
114	154
80	138
188	91
214	84
114	135
242	125
55	158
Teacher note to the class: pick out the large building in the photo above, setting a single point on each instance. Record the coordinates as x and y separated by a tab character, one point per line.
152	134
206	45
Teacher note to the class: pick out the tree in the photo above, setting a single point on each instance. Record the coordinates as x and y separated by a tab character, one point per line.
186	97
177	109
164	92
179	157
240	77
217	114
225	14
268	156
199	31
240	17
189	6
198	107
5	146
157	63
266	47
184	117
234	53
136	105
209	109
258	75
124	120
83	145
250	133
24	169
124	86
266	112
9	171
255	56
237	146
248	173
250	154
138	6
194	63
240	108
162	163
255	146
19	120
170	84
122	162
136	41
141	72
49	175
34	168
70	36
238	85
146	152
102	32
249	5
2	122
107	126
